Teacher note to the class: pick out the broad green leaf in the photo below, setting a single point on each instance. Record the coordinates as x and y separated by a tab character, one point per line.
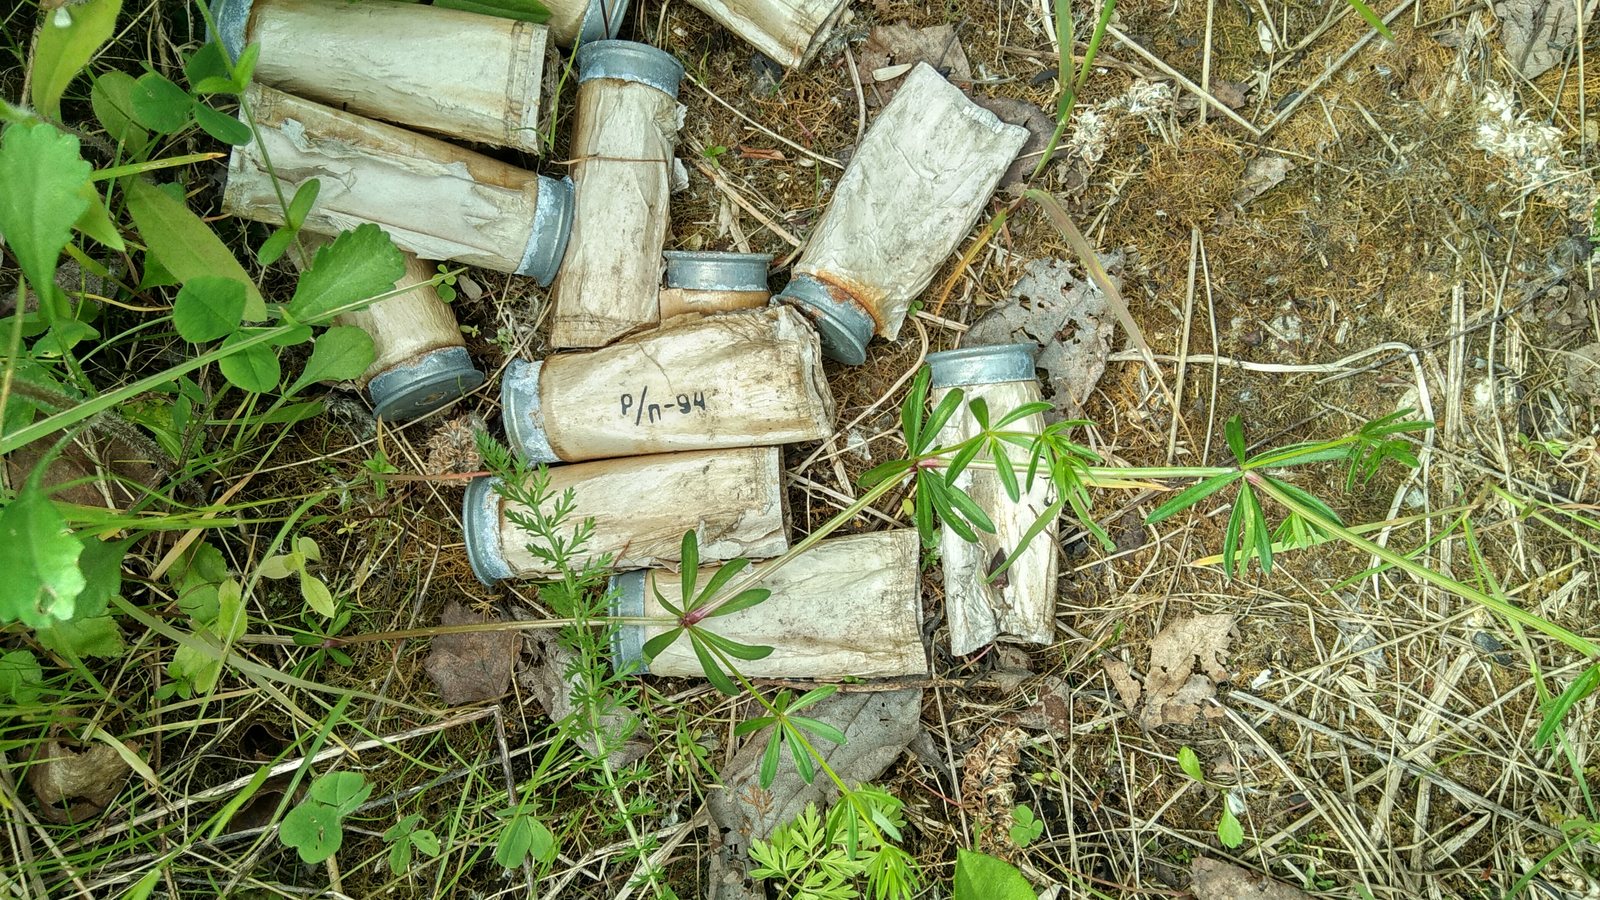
101	565
186	246
308	548
272	248
305	197
524	835
1233	430
543	843
160	105
208	307
689	557
20	676
233	620
317	595
42	175
245	68
62	52
98	636
96	221
1229	831
521	10
343	352
982	877
355	266
206	62
221	126
344	791
428	842
1190	764
254	368
400	856
112	100
769	759
39	557
313	830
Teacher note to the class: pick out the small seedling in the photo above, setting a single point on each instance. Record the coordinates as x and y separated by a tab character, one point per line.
315	828
524	836
446	288
312	588
1229	831
1026	829
405	835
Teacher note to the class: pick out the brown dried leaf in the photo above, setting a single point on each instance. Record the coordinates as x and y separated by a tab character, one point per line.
76	787
747	152
1538	33
901	44
1261	174
1174	696
1122	679
473	666
1213	880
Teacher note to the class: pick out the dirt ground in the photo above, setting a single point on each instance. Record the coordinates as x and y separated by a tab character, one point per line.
1373	234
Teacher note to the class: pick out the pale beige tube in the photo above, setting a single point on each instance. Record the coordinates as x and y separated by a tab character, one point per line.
709	282
1020	605
641	506
623	136
435	199
462	74
789	32
848	607
744	379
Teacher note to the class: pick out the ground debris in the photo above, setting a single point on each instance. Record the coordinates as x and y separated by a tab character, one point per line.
1069	319
1172	693
987	791
1583	374
75	787
1213	880
1261	174
1538	33
904	47
474	666
877	724
453	448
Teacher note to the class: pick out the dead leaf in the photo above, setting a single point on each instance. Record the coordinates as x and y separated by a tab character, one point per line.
1068	318
75	787
1261	174
1213	880
1538	33
1583	373
472	666
877	725
1011	667
1174	696
1030	116
545	678
901	45
1052	712
747	152
1122	679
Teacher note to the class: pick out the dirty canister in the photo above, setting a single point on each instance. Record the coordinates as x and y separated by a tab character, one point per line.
641	506
420	360
1021	605
923	173
585	21
848	607
744	379
435	199
623	136
397	61
789	32
709	282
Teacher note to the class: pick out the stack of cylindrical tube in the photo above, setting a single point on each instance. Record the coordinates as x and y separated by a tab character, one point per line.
664	407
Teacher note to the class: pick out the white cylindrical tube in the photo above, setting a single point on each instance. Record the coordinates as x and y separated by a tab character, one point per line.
745	379
434	199
641	506
910	194
790	32
1019	606
462	74
420	360
623	136
850	607
585	21
709	282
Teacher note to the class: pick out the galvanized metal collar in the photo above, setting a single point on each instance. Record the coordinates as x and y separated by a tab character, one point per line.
630	61
709	271
552	225
524	419
231	17
982	365
480	518
844	327
627	642
597	25
419	386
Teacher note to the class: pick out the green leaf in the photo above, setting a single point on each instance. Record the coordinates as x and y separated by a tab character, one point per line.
355	266
254	368
101	565
1190	764
245	68
946	408
521	10
1233	430
714	674
160	105
39	557
1230	539
969	508
982	877
186	246
724	574
524	835
312	829
20	676
317	595
1022	412
343	352
731	648
1045	519
96	221
1372	18
769	758
1191	495
802	759
206	62
654	646
812	696
428	842
1303	496
63	52
305	197
819	728
750	725
273	247
543	845
911	410
745	600
1258	532
43	175
1229	831
80	638
1557	708
689	558
879	473
221	126
112	100
208	307
344	791
400	856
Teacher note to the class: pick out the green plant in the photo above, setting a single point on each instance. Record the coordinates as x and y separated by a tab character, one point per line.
1229	831
315	828
403	837
298	562
1026	829
817	858
980	876
1071	88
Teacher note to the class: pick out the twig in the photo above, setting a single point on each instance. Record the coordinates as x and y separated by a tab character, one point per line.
746	205
861	99
765	130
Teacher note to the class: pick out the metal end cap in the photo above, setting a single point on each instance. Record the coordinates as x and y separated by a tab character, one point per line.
231	17
422	385
694	270
627	642
480	517
552	225
630	61
994	364
597	26
519	408
844	327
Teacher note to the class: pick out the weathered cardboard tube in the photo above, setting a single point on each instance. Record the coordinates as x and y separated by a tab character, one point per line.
910	194
710	282
420	360
745	379
435	199
585	21
623	136
733	500
1021	606
789	32
462	74
850	607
